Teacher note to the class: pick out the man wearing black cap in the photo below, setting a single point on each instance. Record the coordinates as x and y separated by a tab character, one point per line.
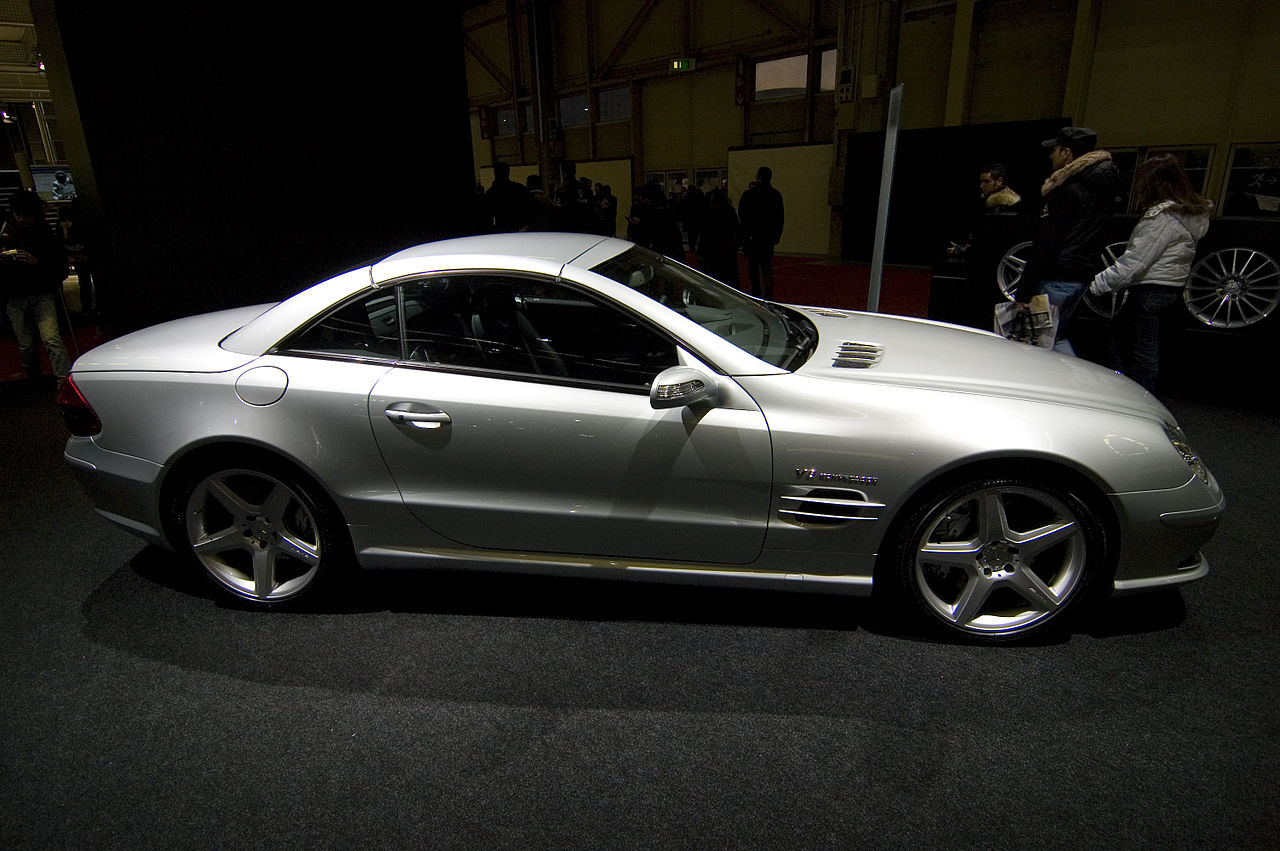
1066	249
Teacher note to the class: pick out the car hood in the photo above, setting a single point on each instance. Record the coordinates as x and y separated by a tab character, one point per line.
182	345
906	352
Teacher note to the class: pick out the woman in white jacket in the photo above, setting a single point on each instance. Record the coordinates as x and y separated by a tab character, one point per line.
1155	265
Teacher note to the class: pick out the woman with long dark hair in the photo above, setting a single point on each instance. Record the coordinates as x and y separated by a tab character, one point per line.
1155	265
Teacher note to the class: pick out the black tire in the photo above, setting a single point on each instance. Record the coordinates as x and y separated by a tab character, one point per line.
999	558
263	534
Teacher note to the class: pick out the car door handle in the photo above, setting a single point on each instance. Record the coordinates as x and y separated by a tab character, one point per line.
417	415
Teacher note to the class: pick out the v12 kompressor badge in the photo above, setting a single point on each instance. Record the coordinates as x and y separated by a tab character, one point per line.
810	474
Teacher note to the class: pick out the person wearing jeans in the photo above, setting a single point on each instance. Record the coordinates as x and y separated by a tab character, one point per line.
1066	247
32	314
1065	295
33	263
1155	265
1134	344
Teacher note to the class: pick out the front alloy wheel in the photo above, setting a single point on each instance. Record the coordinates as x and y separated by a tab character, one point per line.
1001	558
257	535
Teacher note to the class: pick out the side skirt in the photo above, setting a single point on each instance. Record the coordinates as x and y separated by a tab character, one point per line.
392	558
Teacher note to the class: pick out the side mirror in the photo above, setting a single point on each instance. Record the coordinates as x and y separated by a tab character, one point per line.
681	386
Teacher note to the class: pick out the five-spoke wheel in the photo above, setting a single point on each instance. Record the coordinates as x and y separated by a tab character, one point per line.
259	533
1000	558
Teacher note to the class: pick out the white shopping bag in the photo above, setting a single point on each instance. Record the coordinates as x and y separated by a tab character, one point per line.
1035	323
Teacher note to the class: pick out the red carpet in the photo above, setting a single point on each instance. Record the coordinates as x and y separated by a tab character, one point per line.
797	280
84	339
904	291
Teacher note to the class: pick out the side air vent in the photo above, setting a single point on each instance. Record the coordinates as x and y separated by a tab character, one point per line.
833	314
858	355
828	507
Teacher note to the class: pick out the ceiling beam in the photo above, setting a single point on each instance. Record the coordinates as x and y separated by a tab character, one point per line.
798	29
488	64
633	29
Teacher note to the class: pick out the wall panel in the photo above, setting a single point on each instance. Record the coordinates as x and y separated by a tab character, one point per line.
924	57
1021	51
801	173
248	162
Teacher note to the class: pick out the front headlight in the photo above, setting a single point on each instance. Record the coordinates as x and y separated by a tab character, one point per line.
1179	441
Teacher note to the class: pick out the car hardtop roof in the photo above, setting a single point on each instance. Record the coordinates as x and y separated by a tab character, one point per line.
552	247
551	251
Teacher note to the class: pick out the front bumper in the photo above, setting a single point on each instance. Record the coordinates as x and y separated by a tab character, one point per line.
1162	533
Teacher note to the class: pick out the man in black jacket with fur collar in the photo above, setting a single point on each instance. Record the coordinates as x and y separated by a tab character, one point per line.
1066	249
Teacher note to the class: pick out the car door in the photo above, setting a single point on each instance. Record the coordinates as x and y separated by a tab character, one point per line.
521	421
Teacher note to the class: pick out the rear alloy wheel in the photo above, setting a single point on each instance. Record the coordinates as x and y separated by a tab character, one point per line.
1000	558
261	536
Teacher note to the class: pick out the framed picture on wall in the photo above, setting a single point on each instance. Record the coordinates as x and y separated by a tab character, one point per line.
1194	159
54	182
1253	181
709	179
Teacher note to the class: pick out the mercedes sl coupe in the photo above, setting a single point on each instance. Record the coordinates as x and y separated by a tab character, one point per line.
578	405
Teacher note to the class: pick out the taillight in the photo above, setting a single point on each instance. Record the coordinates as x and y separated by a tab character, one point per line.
76	410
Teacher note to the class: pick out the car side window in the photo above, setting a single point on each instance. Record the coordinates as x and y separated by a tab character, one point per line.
529	326
367	327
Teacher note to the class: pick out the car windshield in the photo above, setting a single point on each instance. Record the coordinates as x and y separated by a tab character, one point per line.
775	334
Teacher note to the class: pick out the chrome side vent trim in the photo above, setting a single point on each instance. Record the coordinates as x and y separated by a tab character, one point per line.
858	355
828	507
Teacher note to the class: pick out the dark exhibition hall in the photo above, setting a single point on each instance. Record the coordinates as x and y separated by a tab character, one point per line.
779	424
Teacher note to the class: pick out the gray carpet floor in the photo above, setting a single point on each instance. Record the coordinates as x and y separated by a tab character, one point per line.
482	711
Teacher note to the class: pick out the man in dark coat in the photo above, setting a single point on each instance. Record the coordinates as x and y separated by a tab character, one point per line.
572	212
760	212
1066	249
507	203
998	224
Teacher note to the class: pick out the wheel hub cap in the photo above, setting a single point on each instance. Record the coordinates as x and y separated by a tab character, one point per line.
998	558
260	531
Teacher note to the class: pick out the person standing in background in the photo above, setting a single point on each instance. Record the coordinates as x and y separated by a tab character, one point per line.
1066	249
760	211
718	239
33	264
1155	266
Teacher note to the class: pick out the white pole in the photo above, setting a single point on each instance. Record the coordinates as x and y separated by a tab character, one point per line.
886	184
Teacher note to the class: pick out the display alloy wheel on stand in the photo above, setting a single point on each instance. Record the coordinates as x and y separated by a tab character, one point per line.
1012	264
1108	305
1233	288
1009	271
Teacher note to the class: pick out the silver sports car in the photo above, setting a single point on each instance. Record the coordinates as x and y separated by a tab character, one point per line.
574	404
